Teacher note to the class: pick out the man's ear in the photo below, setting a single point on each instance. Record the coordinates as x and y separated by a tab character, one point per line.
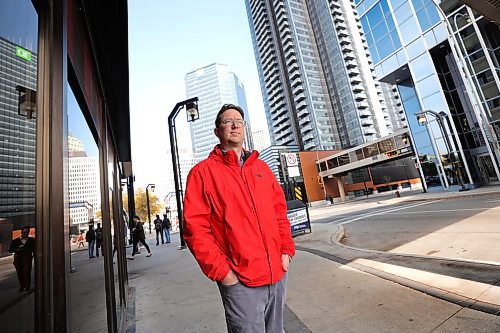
217	132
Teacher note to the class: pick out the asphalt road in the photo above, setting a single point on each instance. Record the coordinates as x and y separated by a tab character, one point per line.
466	224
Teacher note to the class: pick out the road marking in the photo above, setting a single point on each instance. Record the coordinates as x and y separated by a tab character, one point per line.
497	200
383	212
444	210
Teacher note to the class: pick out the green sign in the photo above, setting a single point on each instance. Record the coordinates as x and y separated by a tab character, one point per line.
22	53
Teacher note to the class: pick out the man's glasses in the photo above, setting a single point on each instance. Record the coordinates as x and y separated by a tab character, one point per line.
233	122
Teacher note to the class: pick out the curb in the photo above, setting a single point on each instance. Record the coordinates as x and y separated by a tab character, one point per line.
445	295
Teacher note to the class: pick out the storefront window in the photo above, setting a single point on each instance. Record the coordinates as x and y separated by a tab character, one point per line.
18	88
87	283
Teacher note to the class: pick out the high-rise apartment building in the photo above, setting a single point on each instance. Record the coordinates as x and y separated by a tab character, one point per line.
18	73
316	75
214	85
444	61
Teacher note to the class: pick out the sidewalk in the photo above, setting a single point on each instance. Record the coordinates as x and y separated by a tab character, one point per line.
465	281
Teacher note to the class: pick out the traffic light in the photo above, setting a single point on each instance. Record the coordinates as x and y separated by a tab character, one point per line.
391	153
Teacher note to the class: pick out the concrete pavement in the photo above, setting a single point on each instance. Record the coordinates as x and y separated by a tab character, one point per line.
337	288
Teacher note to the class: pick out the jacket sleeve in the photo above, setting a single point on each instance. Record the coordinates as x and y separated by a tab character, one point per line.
279	202
197	230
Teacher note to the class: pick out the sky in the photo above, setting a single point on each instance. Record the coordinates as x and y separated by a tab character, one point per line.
168	39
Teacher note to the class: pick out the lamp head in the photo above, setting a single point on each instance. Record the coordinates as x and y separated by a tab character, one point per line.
192	111
421	119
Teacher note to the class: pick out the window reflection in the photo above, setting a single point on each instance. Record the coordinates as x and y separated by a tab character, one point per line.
18	86
87	278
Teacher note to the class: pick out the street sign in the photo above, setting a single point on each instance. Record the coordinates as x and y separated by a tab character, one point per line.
293	171
291	159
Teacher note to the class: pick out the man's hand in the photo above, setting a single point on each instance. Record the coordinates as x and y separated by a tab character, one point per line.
230	279
285	261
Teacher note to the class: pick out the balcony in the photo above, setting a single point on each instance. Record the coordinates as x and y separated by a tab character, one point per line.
340	26
362	105
355	79
353	71
306	129
344	40
364	113
357	88
304	121
366	122
369	131
346	48
360	96
351	64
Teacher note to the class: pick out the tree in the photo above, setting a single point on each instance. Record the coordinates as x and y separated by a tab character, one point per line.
141	208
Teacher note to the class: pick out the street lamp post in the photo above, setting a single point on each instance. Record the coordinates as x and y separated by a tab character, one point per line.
191	106
147	203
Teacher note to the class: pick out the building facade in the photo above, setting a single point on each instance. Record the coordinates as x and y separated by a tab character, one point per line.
214	85
316	76
452	113
18	74
62	48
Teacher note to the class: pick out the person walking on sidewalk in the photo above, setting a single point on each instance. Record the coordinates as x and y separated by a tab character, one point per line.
98	239
24	249
159	231
81	239
139	236
236	227
166	225
90	239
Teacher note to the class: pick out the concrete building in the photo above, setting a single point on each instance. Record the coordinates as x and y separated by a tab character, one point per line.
214	85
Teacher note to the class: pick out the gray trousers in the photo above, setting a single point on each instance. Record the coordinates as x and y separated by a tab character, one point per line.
254	309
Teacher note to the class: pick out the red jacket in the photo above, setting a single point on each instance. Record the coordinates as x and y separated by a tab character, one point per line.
236	217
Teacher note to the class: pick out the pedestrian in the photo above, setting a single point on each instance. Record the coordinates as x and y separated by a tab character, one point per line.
237	228
90	239
24	249
139	236
81	238
98	239
159	230
166	225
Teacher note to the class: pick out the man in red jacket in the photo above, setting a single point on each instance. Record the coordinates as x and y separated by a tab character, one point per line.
237	228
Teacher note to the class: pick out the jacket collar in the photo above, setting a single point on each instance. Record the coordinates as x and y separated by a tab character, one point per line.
230	157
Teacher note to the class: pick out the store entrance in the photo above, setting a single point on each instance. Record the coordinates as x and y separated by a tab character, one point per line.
486	169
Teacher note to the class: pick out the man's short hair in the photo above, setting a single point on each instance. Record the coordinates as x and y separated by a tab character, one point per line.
136	217
223	109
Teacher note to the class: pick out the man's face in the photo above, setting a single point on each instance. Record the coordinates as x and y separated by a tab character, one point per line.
25	233
229	132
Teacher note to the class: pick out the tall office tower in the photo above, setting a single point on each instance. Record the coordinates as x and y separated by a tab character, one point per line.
316	76
17	133
443	59
83	176
214	85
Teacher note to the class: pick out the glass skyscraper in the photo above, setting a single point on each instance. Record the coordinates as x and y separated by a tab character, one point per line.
214	85
413	48
18	73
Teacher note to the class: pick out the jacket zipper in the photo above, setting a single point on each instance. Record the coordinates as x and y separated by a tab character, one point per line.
258	222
